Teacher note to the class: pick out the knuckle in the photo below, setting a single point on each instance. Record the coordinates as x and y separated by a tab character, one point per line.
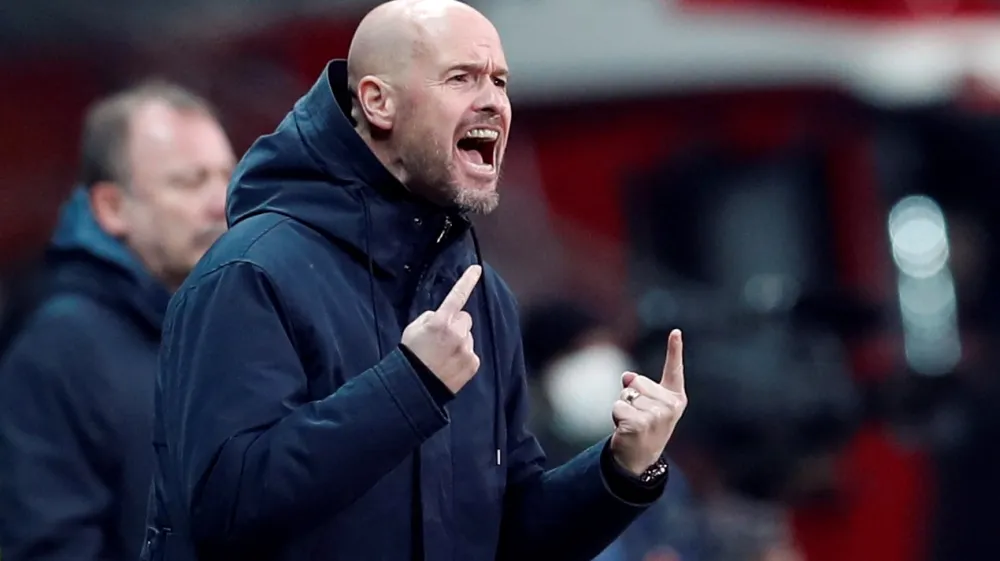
435	323
656	391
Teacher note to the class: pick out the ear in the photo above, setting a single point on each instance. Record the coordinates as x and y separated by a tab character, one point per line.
377	102
107	201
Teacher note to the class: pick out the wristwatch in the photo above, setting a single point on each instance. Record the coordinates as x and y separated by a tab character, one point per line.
655	472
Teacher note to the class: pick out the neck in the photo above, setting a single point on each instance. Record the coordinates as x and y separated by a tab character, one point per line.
389	157
386	156
171	283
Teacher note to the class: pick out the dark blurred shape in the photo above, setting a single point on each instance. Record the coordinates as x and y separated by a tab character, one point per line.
735	248
574	367
718	217
20	291
842	312
554	327
764	406
951	153
135	22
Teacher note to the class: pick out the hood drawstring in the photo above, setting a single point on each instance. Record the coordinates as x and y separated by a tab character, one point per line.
416	509
495	355
371	274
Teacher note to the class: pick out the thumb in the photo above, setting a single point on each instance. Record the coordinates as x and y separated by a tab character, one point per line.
628	378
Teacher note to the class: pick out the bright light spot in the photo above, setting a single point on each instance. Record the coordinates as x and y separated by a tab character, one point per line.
919	237
927	300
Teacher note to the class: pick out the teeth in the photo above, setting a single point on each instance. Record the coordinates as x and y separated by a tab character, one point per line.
486	134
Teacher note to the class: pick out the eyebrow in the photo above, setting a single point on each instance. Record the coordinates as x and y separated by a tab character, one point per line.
478	68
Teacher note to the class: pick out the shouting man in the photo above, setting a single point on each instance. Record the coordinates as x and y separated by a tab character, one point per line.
341	377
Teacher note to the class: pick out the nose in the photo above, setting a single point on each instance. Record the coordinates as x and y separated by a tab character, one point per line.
491	99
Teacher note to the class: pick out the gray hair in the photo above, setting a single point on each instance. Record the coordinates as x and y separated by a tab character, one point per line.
106	127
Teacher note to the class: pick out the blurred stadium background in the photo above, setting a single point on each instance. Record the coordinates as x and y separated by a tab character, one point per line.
804	186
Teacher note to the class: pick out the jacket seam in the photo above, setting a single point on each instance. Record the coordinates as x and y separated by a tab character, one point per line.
242	255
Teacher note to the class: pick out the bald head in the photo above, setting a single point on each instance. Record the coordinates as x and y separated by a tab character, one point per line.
429	85
394	33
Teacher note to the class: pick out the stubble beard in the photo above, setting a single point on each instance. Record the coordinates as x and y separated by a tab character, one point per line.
431	172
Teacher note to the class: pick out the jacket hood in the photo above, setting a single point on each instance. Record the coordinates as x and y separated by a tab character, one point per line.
316	169
86	259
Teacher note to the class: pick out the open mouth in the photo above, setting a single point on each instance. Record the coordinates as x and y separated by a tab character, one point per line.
478	146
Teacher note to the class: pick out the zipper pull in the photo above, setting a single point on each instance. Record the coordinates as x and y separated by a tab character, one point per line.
444	230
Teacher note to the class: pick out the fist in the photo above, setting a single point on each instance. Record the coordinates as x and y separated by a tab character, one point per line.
442	338
647	412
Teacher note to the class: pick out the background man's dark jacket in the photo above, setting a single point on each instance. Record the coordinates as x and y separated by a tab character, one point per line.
76	398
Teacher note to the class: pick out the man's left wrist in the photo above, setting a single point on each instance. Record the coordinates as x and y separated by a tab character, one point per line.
648	473
635	467
655	472
626	486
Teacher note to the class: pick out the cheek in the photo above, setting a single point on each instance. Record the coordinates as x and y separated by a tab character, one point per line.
142	221
176	222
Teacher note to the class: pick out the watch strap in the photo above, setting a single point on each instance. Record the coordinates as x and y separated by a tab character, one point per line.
656	472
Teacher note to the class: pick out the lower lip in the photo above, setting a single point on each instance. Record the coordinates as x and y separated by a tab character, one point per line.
481	171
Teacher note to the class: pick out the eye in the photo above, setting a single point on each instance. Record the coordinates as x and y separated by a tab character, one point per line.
500	83
189	180
459	78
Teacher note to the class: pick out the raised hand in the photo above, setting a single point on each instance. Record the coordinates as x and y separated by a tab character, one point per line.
442	338
647	412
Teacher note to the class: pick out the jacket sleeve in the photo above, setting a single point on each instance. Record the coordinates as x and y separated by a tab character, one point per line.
570	513
55	502
251	454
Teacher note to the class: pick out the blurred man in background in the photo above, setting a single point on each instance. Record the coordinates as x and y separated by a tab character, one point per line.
76	406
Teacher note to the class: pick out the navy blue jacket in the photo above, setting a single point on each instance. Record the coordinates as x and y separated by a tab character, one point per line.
76	401
290	423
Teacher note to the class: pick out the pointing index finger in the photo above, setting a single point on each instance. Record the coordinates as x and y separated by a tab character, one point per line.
460	293
673	367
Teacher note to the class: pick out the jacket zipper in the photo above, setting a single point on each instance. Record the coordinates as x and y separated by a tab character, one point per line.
427	260
444	229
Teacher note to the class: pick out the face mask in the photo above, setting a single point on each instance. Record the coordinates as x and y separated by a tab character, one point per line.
582	388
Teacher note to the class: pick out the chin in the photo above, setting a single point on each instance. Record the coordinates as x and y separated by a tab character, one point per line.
478	199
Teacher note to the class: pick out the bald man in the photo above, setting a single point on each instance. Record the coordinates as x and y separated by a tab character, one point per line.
341	377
